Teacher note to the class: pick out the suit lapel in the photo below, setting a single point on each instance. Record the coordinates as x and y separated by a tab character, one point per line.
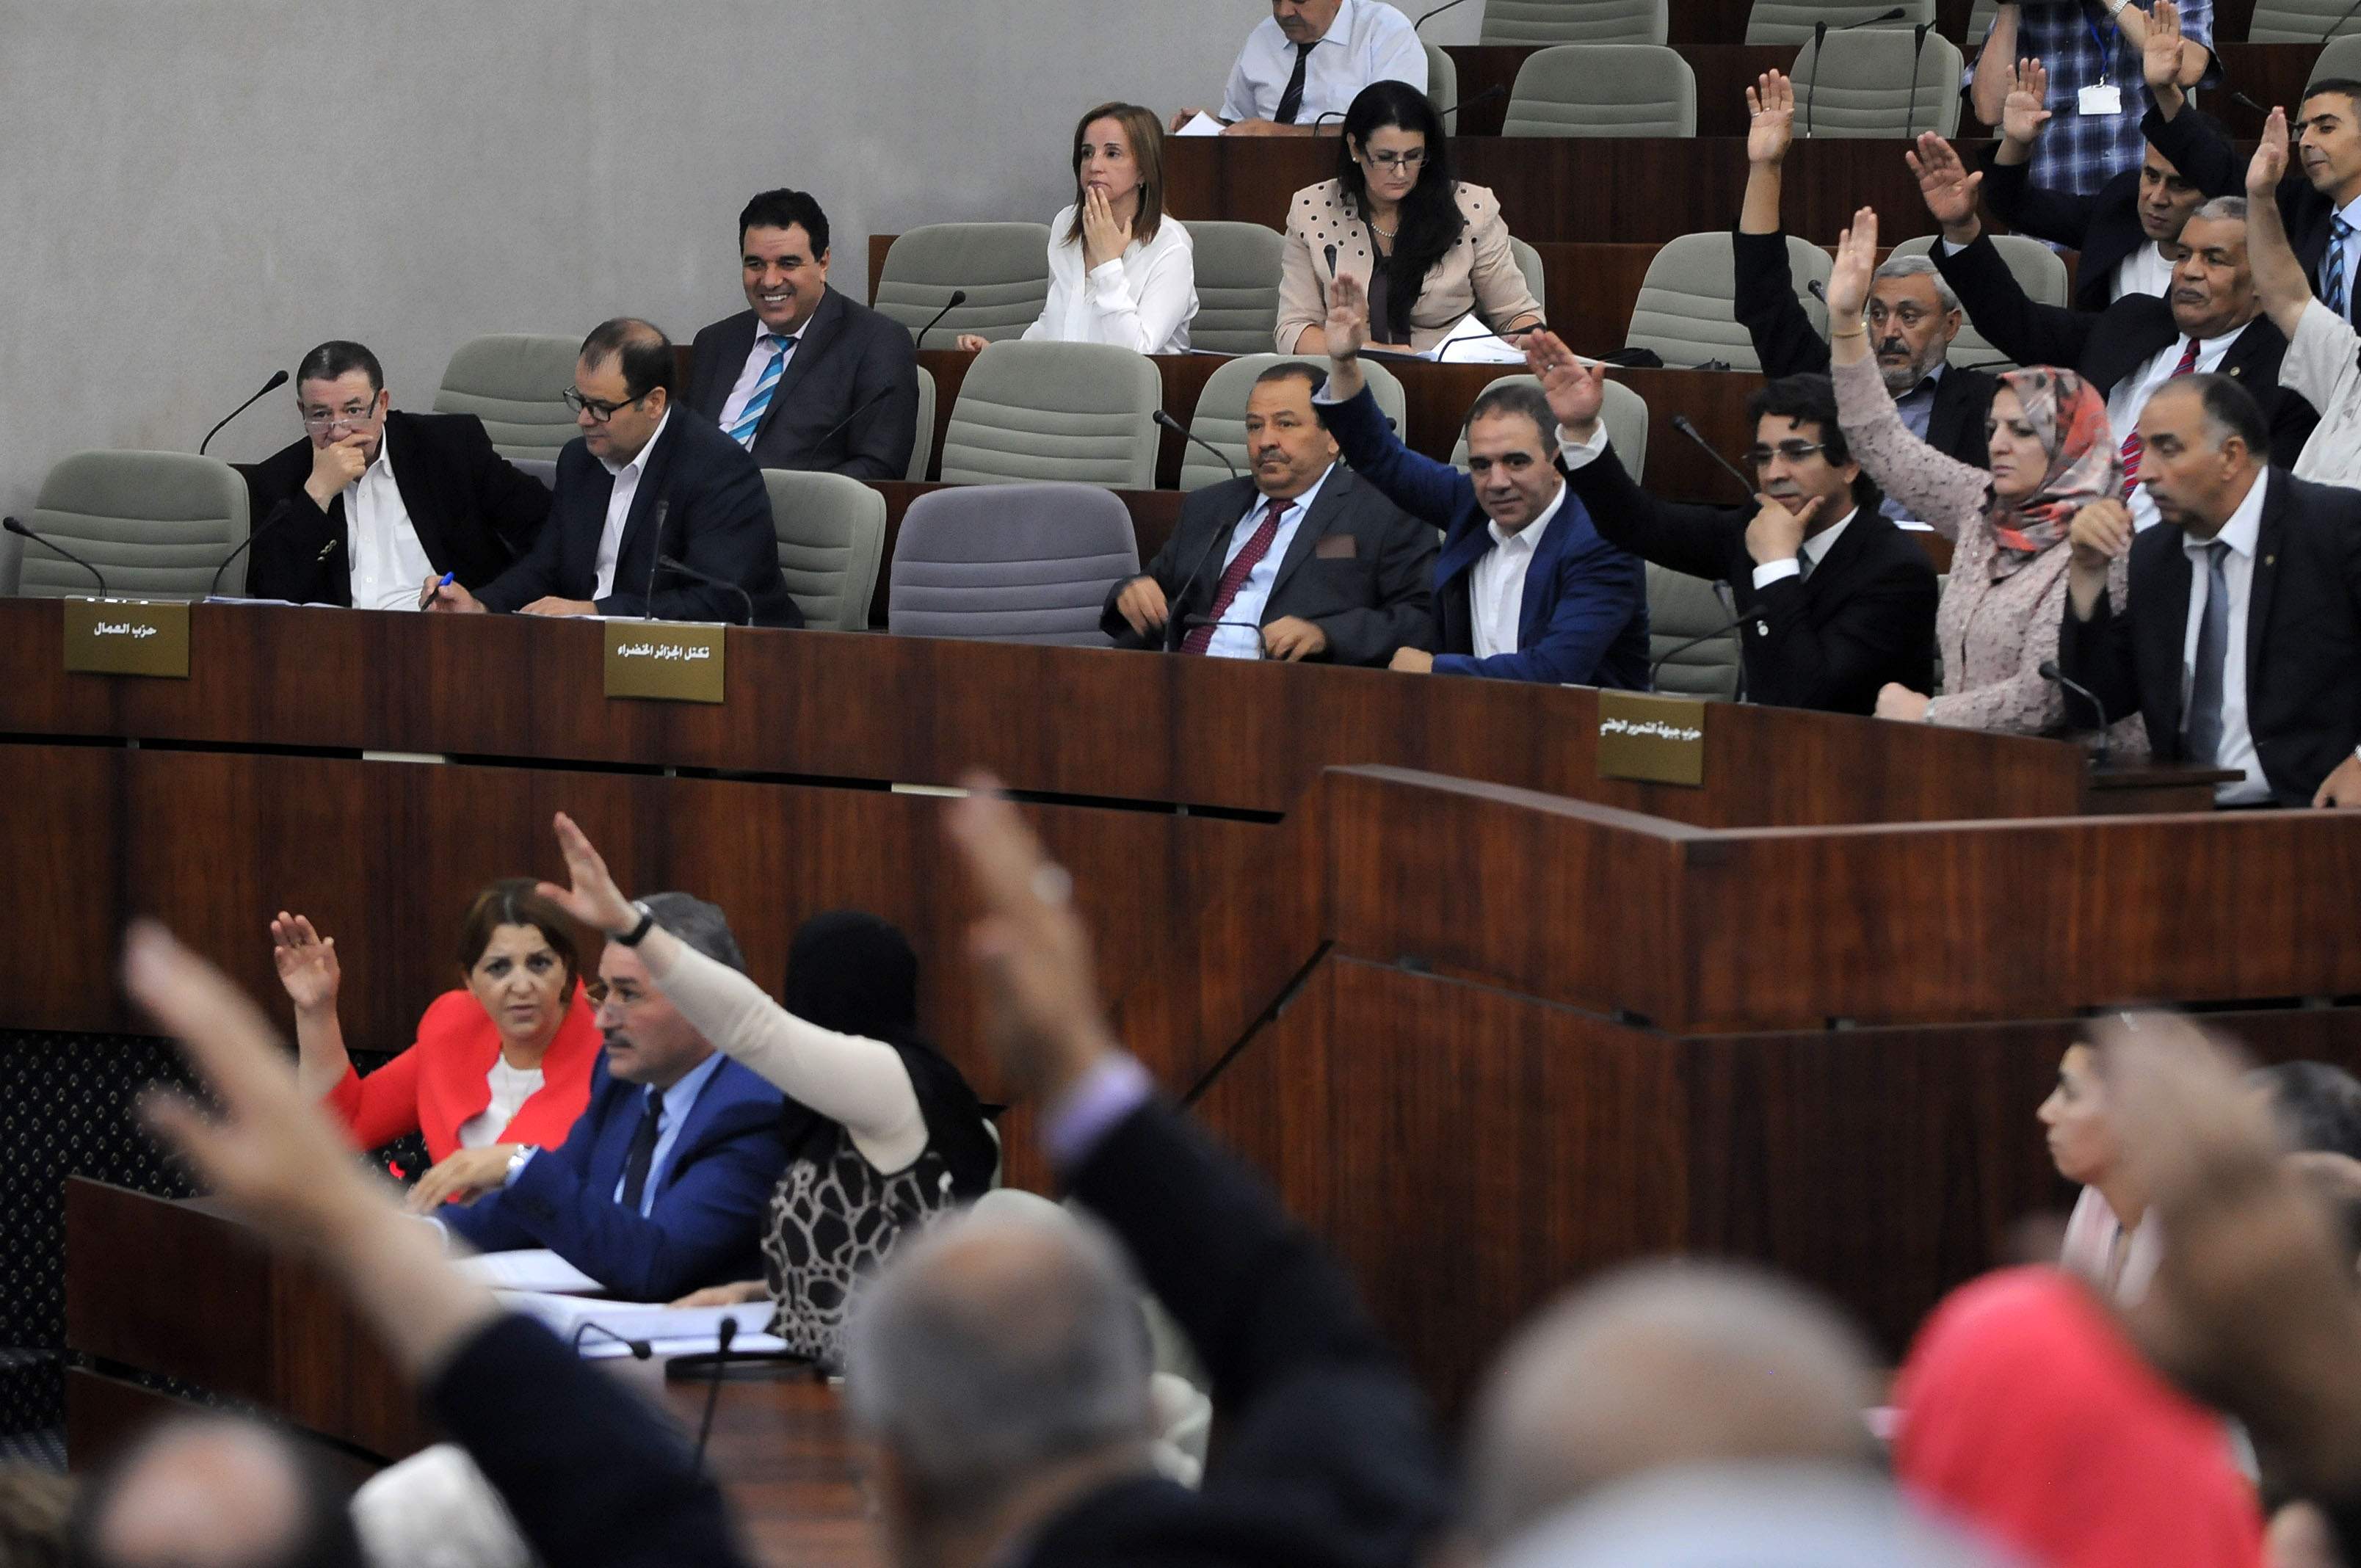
1542	573
2168	633
720	370
2262	583
420	496
810	344
639	545
1325	508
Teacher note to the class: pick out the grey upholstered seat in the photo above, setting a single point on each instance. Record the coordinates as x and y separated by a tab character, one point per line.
2304	22
1981	16
542	469
1625	414
1010	563
1443	84
1681	606
1876	82
1543	22
155	524
1603	90
515	382
2039	273
831	534
1529	262
1077	411
1221	414
1791	21
2340	57
1237	286
1683	308
922	448
1005	267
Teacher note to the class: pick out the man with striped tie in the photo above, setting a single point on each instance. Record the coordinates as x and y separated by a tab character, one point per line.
804	378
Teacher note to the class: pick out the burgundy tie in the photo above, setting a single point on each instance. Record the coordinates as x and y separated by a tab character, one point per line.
1234	577
2132	443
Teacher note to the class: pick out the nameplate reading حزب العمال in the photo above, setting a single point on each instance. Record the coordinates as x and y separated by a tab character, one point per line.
127	637
664	659
1655	740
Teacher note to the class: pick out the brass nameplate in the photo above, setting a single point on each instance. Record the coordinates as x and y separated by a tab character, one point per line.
127	637
663	658
1657	740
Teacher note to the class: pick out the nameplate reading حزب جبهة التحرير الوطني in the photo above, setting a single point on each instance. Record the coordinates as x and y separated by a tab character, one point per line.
1655	740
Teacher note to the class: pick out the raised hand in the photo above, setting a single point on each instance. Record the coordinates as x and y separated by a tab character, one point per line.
1770	117
2269	164
1576	387
2026	108
307	965
1856	266
594	899
1347	327
1949	190
2160	52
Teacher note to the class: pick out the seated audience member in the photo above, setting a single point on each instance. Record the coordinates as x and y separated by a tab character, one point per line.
1911	309
1839	602
634	486
1525	590
379	499
805	377
880	1131
1309	59
165	1501
2050	454
1426	249
2240	642
2322	364
2096	50
2317	1105
1119	273
502	1065
2109	1245
1319	564
659	1188
2137	345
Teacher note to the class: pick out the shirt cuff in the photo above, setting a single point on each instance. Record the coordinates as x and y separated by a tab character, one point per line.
1771	572
1113	294
525	1156
1083	1117
1582	453
1326	398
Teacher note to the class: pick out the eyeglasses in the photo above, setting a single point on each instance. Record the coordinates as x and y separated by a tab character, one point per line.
1793	451
600	411
1393	163
352	417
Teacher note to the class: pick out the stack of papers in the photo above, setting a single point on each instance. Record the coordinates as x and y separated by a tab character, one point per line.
1200	124
536	1269
669	1331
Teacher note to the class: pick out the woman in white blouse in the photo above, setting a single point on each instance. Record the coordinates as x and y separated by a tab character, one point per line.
1119	272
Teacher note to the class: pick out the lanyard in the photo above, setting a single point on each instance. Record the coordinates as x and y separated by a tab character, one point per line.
2106	55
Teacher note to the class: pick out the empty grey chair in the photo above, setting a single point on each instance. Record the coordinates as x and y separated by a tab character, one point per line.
1076	412
515	382
1005	267
1544	22
542	469
1624	414
1682	312
1980	20
831	534
1603	90
1877	81
2039	272
1443	86
1221	412
1010	563
155	524
922	449
2342	57
2303	22
1237	286
1791	21
1529	262
1681	606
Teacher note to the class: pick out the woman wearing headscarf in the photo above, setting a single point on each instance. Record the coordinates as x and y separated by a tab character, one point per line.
2052	453
882	1131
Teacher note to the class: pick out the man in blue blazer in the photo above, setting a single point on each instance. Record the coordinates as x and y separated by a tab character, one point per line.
661	1187
1524	589
637	484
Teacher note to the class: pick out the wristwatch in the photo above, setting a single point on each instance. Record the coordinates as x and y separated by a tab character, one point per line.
516	1163
639	933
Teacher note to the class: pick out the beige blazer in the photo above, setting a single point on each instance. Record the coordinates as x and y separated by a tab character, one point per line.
1479	273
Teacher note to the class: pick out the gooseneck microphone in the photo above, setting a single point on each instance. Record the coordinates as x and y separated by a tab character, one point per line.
18	528
2051	672
958	298
683	570
1497	89
1172	638
663	505
2334	25
1681	423
722	1335
641	1349
870	402
1820	31
1724	630
1819	290
1262	650
1185	434
278	379
1438	11
277	515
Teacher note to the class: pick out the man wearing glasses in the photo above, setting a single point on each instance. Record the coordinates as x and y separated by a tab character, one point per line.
376	499
636	489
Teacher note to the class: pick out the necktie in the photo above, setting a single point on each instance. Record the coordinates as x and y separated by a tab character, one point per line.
751	419
2331	264
1234	576
2203	725
1290	103
642	1152
2132	443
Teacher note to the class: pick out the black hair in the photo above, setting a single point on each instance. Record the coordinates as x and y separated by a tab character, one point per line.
2231	409
1518	398
2344	84
2318	1106
337	357
1811	400
782	209
1430	221
645	351
1294	369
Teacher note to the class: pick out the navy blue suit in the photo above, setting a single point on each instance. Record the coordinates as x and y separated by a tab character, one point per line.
703	1227
1583	621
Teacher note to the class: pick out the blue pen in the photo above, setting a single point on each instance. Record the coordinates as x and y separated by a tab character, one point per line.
448	578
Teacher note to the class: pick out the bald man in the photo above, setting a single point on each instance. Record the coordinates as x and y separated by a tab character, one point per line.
213	1492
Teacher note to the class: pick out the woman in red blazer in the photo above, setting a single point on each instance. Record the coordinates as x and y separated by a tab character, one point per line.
502	1064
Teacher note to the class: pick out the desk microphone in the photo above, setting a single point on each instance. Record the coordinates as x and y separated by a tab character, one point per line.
641	1349
723	1333
1194	621
2332	27
958	298
278	379
1331	252
1820	31
1446	5
2051	672
1325	115
13	526
683	570
870	402
1819	290
1722	630
277	515
1172	618
1185	434
1497	89
1681	423
663	505
2246	102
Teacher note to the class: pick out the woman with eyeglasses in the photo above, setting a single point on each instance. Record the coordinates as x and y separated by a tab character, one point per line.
1427	248
501	1062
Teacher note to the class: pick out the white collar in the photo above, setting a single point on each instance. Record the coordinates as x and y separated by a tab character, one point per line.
1816	548
1303	501
638	464
2351	212
1531	534
2245	528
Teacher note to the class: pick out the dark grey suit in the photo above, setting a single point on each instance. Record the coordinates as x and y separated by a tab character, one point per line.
822	416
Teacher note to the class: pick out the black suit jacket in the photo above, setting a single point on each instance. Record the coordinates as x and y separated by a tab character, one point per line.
1864	616
821	417
718	521
475	512
2303	637
1765	304
1359	568
2104	227
2106	345
2207	160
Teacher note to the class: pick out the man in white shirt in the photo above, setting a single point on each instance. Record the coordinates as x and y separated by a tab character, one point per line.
1304	64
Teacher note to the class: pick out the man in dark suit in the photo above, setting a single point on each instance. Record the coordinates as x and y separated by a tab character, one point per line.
804	378
377	500
2246	597
636	485
1837	601
1318	565
660	1188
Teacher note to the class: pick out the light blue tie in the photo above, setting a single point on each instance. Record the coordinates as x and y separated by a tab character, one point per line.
751	419
2331	264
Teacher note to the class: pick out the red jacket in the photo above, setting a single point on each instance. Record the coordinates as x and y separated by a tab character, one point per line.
442	1080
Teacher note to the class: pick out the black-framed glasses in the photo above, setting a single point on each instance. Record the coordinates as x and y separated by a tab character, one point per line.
599	409
1793	451
351	416
1392	162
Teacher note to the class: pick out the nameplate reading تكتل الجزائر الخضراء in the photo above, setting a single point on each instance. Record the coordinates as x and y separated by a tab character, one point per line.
664	659
1655	740
127	637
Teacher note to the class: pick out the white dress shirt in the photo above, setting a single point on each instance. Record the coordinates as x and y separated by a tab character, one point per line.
1236	642
2143	271
619	508
2132	394
678	1101
1369	41
2322	366
758	359
1496	584
1143	300
388	563
1811	553
2241	534
2350	213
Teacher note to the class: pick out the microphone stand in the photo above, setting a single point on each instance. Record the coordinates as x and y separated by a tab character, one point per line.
958	298
278	379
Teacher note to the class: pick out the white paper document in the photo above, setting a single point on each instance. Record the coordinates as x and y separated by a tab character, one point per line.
597	1349
566	1315
532	1269
1200	124
1471	342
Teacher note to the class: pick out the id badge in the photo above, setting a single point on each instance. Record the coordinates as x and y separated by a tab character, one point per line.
2104	98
